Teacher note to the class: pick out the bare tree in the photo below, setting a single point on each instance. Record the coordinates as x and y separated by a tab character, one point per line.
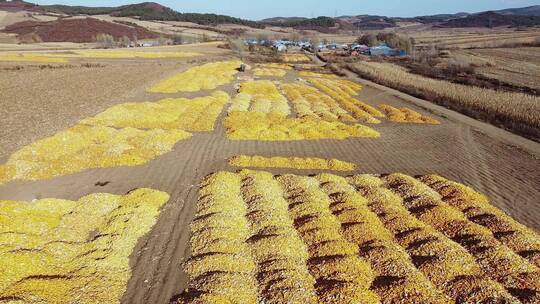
237	46
315	44
124	41
105	41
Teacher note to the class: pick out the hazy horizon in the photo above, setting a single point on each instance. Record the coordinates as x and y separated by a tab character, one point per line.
302	8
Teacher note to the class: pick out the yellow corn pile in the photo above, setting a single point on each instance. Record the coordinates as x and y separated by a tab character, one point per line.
291	162
198	114
59	251
83	147
272	127
205	77
316	75
343	91
261	96
282	239
405	115
310	102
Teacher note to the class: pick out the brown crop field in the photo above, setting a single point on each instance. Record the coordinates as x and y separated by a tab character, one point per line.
174	177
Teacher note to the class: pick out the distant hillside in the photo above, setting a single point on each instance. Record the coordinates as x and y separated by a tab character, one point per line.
283	19
76	30
524	11
492	19
16	5
321	24
149	11
440	17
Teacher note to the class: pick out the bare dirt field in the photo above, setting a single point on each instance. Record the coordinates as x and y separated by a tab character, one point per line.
39	102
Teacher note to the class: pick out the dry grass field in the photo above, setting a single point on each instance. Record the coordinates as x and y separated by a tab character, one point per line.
131	180
517	66
515	111
472	37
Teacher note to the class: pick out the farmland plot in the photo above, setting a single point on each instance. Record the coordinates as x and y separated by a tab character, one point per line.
258	238
60	251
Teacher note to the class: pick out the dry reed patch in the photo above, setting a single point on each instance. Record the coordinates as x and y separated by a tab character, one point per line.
516	111
406	115
197	115
343	91
205	77
311	103
272	127
59	251
294	58
291	162
84	147
330	239
260	96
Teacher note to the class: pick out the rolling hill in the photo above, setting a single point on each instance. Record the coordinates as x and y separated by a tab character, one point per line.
492	19
524	11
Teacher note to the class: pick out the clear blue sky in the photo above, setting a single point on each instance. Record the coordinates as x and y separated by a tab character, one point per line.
258	9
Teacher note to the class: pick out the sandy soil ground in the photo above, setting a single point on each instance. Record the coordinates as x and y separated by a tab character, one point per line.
456	150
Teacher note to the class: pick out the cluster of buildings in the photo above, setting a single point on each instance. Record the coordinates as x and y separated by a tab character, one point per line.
353	49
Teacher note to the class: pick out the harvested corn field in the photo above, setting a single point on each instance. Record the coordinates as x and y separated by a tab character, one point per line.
312	163
61	251
362	232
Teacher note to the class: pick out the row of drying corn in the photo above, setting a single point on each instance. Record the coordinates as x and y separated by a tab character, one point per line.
362	239
519	276
310	102
343	94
